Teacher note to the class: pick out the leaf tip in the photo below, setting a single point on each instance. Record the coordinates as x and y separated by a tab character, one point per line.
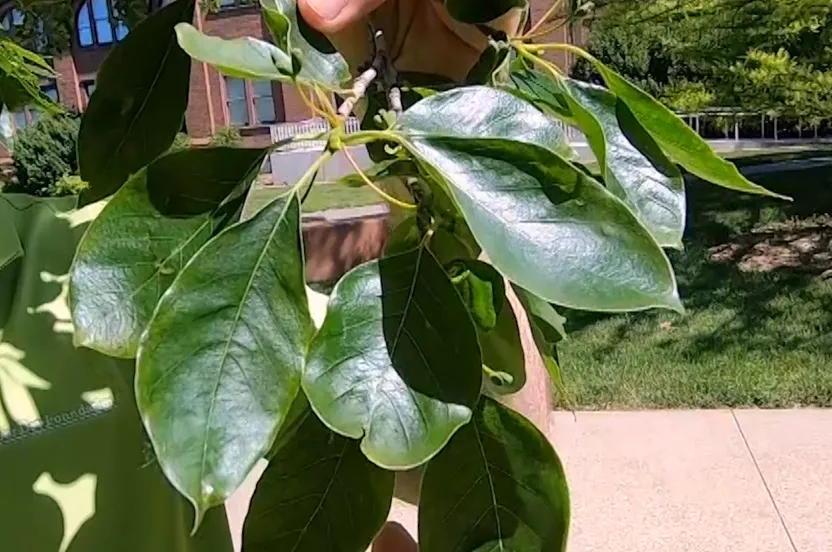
674	302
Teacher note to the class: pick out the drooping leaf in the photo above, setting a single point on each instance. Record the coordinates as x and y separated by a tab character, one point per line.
493	58
196	181
552	323
635	168
139	102
396	362
498	485
21	73
320	61
540	90
244	58
482	290
544	224
680	142
318	493
132	251
219	365
503	355
481	11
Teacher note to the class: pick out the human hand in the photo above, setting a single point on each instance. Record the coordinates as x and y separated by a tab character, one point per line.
420	34
394	538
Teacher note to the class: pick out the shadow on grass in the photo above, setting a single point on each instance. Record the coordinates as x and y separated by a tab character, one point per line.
748	338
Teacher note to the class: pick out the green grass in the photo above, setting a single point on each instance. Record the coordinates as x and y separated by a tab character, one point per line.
747	339
323	196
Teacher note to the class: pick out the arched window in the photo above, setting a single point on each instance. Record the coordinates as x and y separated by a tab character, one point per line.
97	26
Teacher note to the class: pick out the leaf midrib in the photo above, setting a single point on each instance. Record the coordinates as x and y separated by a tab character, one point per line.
231	332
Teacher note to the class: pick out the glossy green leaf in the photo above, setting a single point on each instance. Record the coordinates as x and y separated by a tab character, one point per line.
244	58
396	362
481	11
499	115
544	224
635	168
318	493
540	90
680	142
132	252
219	365
498	485
320	61
139	103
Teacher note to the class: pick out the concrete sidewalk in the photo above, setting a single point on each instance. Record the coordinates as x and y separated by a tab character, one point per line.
687	481
703	481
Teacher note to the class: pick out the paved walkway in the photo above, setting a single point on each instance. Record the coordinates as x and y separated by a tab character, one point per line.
703	481
693	481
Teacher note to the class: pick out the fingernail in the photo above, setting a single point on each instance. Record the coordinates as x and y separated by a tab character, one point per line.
327	9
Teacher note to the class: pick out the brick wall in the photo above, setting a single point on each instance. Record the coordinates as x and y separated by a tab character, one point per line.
207	109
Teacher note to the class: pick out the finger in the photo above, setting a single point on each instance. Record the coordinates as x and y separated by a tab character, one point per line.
331	16
394	538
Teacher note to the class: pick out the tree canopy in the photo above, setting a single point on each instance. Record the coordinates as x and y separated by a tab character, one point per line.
761	55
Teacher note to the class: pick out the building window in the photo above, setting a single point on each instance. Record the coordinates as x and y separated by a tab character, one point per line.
26	116
87	88
97	26
249	102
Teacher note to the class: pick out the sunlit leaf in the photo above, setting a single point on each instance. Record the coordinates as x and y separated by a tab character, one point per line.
318	493
543	223
498	485
633	165
132	251
219	365
396	362
680	142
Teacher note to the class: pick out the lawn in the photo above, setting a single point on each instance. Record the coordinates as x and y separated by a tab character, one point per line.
323	196
758	326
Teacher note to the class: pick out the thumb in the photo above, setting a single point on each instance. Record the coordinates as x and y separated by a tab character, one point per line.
331	16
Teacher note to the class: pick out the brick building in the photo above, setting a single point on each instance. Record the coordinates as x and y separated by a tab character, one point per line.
255	108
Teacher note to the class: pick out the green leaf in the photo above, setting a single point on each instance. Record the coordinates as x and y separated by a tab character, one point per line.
132	252
380	171
494	57
301	53
502	354
499	115
244	58
544	224
540	90
634	167
482	290
318	493
498	485
196	181
396	362
321	62
481	11
551	323
680	142
219	365
139	103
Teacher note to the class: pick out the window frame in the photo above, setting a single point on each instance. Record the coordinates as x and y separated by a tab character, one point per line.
86	8
30	114
252	117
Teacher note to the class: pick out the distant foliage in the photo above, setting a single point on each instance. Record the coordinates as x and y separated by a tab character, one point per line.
227	136
70	184
44	153
181	142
